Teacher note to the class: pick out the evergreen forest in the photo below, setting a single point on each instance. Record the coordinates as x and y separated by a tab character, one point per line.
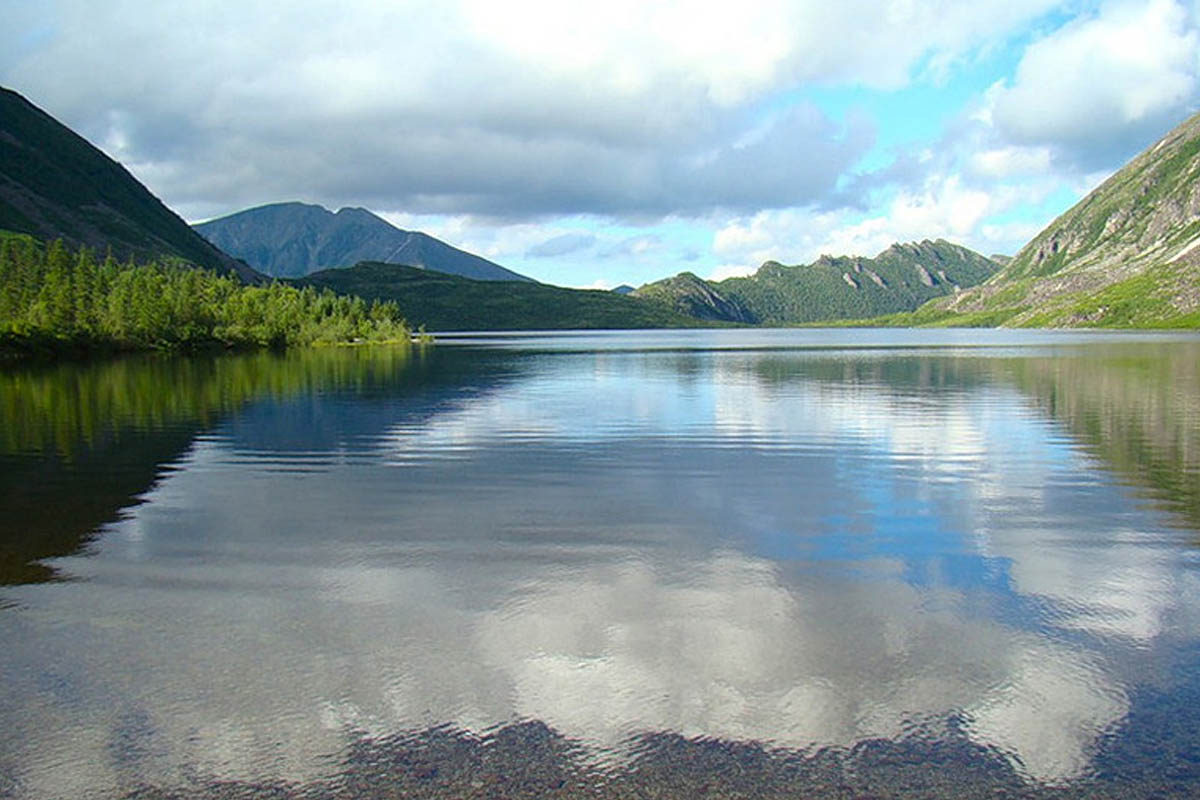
55	299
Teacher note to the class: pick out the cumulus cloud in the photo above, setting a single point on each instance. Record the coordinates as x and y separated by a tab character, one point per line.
1102	87
517	110
965	206
1006	162
498	128
944	208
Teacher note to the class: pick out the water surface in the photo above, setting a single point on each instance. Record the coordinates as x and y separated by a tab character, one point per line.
667	563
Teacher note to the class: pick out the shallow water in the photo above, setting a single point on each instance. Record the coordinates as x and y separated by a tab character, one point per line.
667	563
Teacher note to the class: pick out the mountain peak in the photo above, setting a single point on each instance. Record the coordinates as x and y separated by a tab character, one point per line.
833	287
291	240
357	211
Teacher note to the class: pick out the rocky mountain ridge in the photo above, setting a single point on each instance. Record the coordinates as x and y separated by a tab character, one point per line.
833	287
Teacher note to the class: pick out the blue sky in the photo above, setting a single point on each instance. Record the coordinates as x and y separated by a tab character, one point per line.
593	144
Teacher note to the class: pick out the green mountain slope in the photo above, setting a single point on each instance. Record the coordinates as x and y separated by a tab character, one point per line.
55	185
1127	255
899	279
291	240
444	302
689	294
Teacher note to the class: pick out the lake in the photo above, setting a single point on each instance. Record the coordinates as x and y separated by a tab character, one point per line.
722	563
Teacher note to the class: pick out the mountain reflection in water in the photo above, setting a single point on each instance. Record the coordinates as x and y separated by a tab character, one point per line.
629	568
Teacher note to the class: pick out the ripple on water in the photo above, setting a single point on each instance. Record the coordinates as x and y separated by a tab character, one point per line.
718	569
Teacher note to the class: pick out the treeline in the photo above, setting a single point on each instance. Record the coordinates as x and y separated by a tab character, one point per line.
54	298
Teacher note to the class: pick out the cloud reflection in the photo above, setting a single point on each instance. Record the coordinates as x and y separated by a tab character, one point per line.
814	565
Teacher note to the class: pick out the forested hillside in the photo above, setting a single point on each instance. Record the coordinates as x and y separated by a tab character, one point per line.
55	299
844	287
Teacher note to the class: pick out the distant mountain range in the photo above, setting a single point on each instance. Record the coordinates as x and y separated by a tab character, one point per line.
900	278
291	240
444	302
1127	255
55	185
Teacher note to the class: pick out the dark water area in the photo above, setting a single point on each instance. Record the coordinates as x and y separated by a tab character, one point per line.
649	564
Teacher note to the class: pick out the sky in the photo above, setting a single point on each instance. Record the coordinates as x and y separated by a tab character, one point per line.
598	143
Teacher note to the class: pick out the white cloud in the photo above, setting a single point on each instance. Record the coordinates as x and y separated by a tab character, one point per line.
499	127
946	207
732	53
626	47
1010	161
519	109
754	239
1098	82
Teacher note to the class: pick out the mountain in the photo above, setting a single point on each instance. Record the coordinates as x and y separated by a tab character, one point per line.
291	240
55	185
690	294
1127	255
846	287
443	302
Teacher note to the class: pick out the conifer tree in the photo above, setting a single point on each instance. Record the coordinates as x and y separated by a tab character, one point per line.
51	295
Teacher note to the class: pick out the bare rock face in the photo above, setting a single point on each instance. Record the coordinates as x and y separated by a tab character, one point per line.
853	283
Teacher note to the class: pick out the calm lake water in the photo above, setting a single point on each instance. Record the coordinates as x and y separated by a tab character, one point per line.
627	564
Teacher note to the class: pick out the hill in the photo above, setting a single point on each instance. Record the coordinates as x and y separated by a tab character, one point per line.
690	294
55	185
1127	255
291	240
443	302
900	278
